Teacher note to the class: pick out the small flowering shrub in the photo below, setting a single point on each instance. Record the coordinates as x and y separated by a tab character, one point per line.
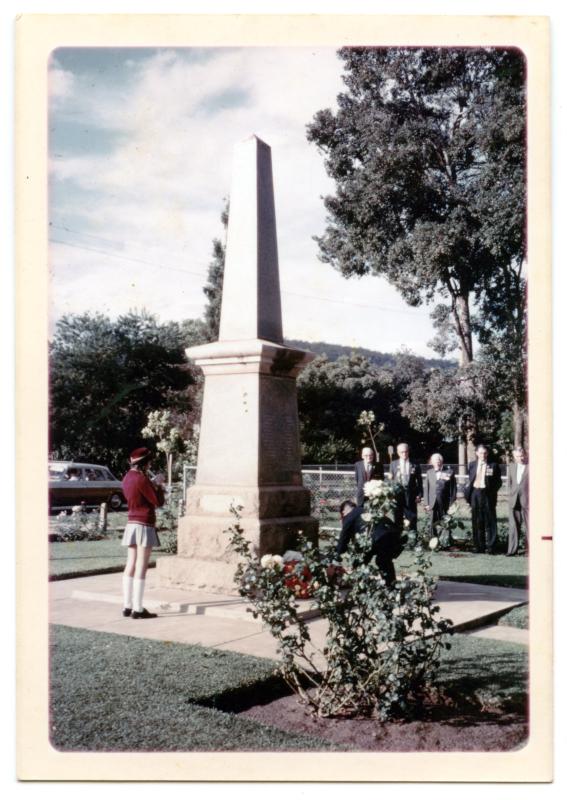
447	525
443	529
383	643
77	526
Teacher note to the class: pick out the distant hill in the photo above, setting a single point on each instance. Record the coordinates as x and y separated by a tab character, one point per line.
334	351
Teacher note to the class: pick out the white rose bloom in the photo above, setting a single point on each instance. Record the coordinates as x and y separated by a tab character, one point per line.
433	543
76	509
407	523
370	488
277	561
267	561
366	517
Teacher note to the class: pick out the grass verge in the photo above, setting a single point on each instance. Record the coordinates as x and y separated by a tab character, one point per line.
474	568
518	617
112	692
483	679
76	559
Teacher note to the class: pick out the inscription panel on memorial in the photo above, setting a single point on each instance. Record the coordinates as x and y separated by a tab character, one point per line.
279	457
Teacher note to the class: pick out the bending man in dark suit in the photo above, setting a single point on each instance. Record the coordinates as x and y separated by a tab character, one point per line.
518	500
481	493
386	541
439	490
408	474
366	470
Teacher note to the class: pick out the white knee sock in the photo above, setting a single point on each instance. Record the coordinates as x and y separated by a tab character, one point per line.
127	583
139	584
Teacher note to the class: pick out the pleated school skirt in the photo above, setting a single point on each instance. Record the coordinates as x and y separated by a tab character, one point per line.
143	535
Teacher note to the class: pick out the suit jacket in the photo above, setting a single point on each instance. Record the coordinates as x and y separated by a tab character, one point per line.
376	474
415	483
518	490
442	491
493	481
386	538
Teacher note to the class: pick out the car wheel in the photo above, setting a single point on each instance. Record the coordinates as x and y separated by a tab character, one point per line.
115	502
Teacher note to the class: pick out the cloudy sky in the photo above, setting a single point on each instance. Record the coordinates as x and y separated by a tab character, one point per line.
140	160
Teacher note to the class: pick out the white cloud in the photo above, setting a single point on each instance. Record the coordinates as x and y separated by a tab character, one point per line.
157	194
61	84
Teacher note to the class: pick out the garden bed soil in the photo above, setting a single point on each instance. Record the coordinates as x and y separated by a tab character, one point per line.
497	732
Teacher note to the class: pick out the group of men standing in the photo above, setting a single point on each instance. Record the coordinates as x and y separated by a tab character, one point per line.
438	491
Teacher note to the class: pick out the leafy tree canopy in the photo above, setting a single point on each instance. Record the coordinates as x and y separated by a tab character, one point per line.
332	395
106	376
427	150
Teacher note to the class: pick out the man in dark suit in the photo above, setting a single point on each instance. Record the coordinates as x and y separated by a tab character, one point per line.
518	500
408	474
439	490
481	493
366	470
386	539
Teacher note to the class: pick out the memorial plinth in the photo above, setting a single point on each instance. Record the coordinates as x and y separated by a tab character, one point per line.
249	451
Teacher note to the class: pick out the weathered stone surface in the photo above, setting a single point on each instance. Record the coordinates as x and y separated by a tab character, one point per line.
263	502
208	537
249	450
205	558
251	304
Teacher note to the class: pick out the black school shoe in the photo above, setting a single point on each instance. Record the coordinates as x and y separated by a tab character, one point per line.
126	612
144	614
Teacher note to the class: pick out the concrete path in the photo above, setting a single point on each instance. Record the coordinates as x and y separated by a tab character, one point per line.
222	621
504	633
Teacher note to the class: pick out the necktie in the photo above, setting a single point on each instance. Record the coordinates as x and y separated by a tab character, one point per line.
479	482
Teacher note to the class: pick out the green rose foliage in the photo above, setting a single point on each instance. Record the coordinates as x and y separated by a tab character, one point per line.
443	530
383	643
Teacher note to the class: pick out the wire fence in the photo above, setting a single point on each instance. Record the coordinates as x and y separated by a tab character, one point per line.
329	486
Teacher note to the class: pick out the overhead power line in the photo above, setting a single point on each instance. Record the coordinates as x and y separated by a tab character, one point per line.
126	258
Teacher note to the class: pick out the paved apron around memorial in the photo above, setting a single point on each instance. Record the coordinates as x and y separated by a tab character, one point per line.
221	621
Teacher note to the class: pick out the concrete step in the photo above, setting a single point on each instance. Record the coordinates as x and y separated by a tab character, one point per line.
163	601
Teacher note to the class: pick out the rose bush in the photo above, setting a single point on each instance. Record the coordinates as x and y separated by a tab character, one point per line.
383	643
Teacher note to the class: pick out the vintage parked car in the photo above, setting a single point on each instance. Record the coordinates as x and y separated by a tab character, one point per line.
71	484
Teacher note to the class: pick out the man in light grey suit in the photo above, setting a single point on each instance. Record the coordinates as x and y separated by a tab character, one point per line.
518	500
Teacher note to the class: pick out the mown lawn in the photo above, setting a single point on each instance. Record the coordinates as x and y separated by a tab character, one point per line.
111	692
71	559
82	558
485	674
474	568
518	617
74	559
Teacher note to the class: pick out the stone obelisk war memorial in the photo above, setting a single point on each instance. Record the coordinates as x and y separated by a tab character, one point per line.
249	452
